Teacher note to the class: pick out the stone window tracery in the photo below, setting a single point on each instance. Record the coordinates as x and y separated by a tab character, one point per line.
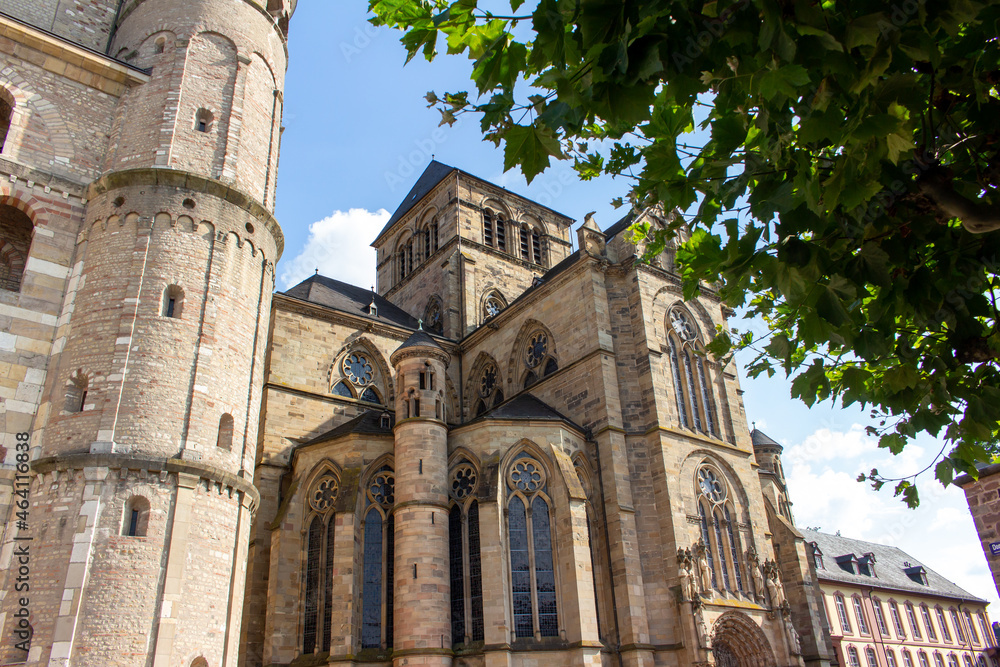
493	304
318	599
464	556
356	375
378	554
691	375
433	320
488	386
530	540
538	358
718	529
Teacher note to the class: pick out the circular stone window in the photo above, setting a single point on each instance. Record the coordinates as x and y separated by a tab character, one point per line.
710	484
682	325
118	201
188	203
358	370
382	490
526	475
536	349
249	227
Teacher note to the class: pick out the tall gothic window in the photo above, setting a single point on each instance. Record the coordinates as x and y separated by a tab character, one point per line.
538	358
719	530
378	553
318	598
532	573
488	386
525	243
433	228
464	557
691	375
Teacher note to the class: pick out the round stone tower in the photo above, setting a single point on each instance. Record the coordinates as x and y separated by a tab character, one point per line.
422	607
146	436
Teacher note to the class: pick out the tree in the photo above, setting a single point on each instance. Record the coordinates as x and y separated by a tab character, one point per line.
845	191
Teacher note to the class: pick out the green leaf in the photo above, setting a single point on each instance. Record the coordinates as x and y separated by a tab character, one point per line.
530	147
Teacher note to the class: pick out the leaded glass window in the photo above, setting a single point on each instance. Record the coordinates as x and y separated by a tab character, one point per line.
377	589
370	395
341	389
710	484
533	583
734	550
707	541
318	579
692	391
466	567
433	320
691	375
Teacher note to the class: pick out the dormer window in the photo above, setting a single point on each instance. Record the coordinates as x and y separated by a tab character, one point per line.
817	556
917	574
866	565
848	563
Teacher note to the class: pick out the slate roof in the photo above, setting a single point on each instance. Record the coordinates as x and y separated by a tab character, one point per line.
761	439
889	566
367	423
527	407
420	338
620	226
433	174
348	298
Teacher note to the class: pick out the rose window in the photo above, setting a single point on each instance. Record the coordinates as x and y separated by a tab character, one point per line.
537	349
526	475
682	325
383	487
710	484
324	494
463	481
488	382
358	370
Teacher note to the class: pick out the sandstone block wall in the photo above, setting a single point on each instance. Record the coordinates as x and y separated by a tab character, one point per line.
983	496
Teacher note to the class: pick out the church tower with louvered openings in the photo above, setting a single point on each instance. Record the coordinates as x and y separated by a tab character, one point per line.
139	166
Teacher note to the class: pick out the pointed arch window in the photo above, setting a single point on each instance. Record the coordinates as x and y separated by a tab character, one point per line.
529	529
718	533
355	375
378	554
493	304
320	538
734	550
464	556
538	358
488	386
433	319
691	375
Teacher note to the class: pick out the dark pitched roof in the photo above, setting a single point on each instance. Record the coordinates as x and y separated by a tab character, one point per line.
433	174
527	407
349	299
761	439
367	423
420	338
890	566
620	226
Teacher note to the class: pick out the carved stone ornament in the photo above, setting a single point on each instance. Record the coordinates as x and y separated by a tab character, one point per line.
464	481
526	475
324	493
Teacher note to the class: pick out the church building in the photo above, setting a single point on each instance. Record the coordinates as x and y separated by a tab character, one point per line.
514	450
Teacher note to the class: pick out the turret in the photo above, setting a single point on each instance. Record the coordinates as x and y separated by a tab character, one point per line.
422	628
144	465
767	452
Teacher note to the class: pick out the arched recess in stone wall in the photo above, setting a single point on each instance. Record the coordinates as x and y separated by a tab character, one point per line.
517	367
17	227
209	83
735	634
383	380
473	382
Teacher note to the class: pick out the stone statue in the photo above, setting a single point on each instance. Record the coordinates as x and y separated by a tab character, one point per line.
793	637
688	591
758	580
704	571
704	641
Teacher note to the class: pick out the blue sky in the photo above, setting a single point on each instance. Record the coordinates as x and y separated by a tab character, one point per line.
358	133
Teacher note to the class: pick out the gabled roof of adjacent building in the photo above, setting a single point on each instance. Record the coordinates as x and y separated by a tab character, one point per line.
367	423
428	180
891	565
350	299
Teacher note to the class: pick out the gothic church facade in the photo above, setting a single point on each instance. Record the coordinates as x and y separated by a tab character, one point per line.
514	451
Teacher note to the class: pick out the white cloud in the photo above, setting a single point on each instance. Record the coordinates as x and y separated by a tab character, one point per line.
822	472
338	246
